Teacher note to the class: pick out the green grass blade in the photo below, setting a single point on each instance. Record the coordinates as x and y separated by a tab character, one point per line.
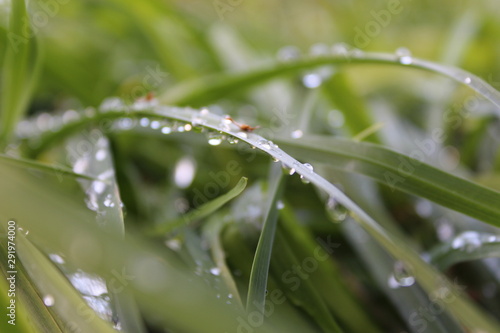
20	71
201	212
68	305
209	89
470	245
32	165
260	268
306	295
400	172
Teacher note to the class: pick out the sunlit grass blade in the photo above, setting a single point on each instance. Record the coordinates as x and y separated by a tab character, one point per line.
260	267
20	70
200	212
400	172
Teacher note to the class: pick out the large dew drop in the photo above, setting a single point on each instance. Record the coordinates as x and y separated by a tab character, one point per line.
337	212
215	139
401	276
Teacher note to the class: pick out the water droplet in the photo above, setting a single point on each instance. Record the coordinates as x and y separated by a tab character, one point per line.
340	49
70	116
98	186
230	296
56	258
289	170
204	112
276	159
214	139
173	244
225	124
404	56
108	201
100	155
166	130
215	271
185	170
155	124
232	140
188	127
280	205
48	300
467	80
467	241
424	208
319	49
309	166
243	135
302	178
311	80
335	118
265	144
180	128
337	211
297	134
400	276
144	122
288	53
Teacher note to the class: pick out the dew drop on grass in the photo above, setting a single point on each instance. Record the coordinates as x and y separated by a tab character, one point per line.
276	159
232	140
48	300
289	170
297	134
319	49
108	201
166	130
288	53
56	258
197	121
214	139
215	271
467	241
265	144
225	124
101	155
424	208
230	295
400	276
404	56
337	211
280	205
144	122
155	124
188	127
173	244
340	49
467	80
312	80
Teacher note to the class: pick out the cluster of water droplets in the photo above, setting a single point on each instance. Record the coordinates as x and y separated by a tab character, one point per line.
470	241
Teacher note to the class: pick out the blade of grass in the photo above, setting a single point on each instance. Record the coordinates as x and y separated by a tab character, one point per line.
200	212
209	89
260	267
400	172
20	71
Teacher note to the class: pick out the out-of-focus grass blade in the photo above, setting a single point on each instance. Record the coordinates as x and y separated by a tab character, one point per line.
305	295
260	267
469	245
212	232
212	88
32	165
31	315
400	172
202	211
20	71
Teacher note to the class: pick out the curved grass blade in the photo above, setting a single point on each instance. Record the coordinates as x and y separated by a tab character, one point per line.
260	268
400	172
200	212
469	245
209	89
